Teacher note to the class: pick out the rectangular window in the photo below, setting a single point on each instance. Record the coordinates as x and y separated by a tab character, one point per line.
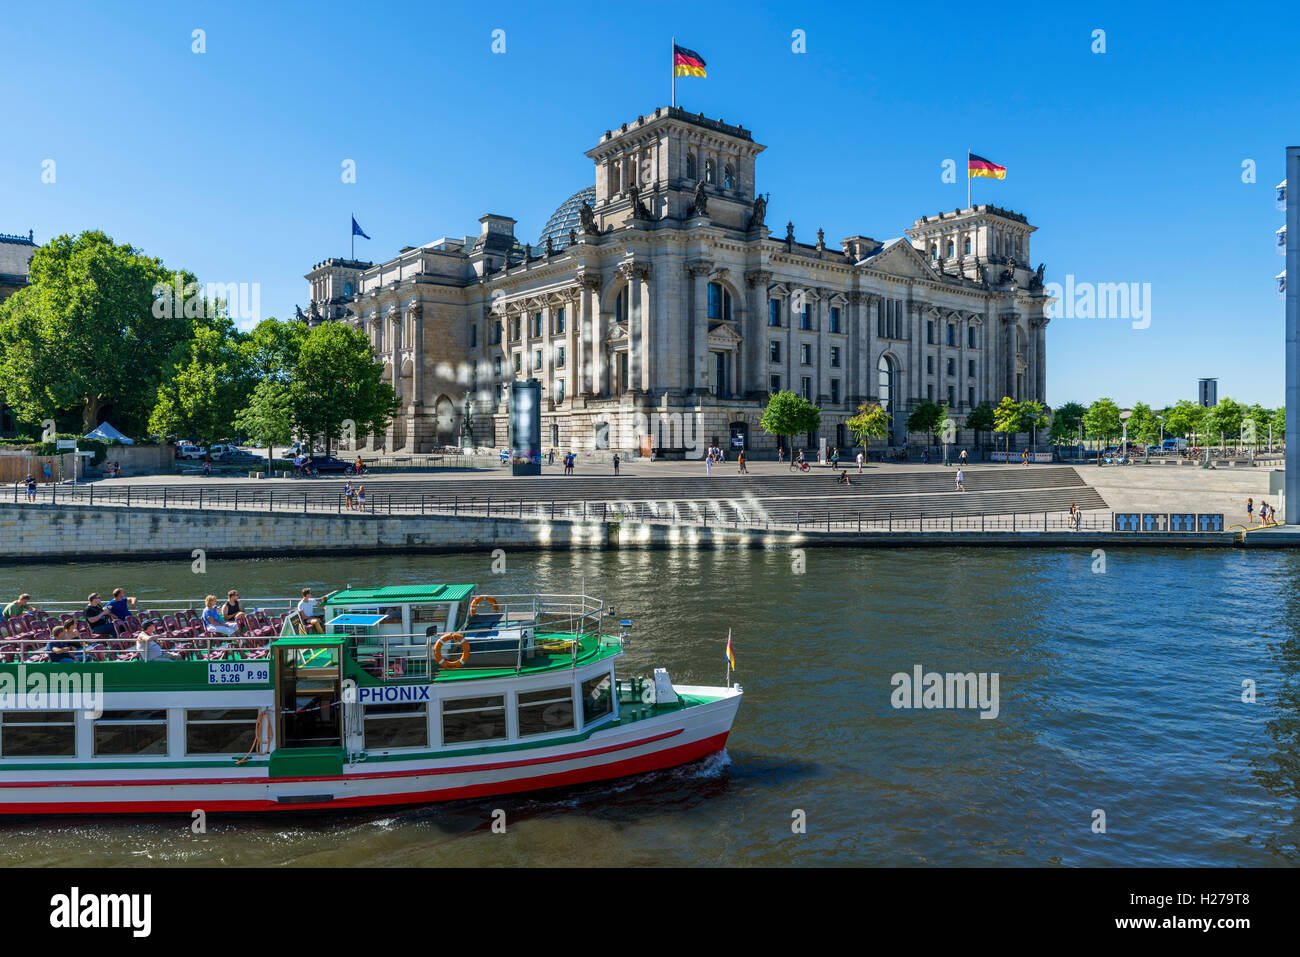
929	332
559	392
970	368
970	397
537	325
880	319
835	390
473	336
715	301
774	312
952	367
473	719
496	367
805	353
952	334
835	318
514	329
929	392
496	333
542	712
805	316
774	384
559	320
220	730
970	337
929	365
518	362
806	387
29	734
597	698
396	726
835	357
131	732
774	351
559	357
952	396
537	358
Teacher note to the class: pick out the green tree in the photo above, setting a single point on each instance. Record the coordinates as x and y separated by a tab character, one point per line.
1065	423
1279	425
90	331
927	416
788	414
1143	427
268	418
1010	419
980	419
1035	417
1184	418
1256	423
1224	420
271	348
1102	420
336	378
209	385
871	422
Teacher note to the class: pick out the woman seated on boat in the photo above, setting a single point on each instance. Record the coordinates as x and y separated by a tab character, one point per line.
146	643
59	648
213	621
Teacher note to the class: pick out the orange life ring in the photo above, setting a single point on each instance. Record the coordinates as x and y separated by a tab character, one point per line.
473	606
451	662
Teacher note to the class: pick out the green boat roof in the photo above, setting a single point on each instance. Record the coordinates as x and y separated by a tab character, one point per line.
309	641
401	593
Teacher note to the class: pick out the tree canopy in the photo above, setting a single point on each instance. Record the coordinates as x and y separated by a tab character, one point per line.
789	414
871	422
336	378
1102	420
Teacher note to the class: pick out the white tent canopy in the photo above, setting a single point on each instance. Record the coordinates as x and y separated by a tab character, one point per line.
106	433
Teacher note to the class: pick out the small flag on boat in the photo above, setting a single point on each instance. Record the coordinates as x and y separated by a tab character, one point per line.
979	166
731	659
687	62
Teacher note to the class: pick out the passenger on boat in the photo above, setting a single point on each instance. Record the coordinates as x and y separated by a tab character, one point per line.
59	648
17	607
307	608
121	605
232	610
97	616
146	642
212	619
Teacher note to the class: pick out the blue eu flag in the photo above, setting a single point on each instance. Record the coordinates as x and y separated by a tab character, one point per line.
356	230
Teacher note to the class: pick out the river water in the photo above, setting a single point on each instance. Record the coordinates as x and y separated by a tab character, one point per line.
1120	691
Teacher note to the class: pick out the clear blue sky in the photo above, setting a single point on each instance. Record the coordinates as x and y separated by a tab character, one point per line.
1129	162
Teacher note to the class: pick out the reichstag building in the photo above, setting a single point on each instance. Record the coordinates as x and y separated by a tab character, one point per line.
662	294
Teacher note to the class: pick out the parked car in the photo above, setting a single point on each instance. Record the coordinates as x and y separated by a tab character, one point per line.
240	457
187	450
1175	445
328	463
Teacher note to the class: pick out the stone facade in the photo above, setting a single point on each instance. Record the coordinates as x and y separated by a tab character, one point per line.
670	313
16	254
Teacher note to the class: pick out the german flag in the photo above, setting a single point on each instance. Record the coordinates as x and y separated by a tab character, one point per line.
687	62
979	166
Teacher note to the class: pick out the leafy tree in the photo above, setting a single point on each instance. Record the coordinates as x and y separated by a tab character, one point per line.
210	383
1035	416
336	378
1010	418
927	416
1279	425
1065	423
788	414
1102	420
1257	421
871	422
268	417
1143	426
1225	419
271	349
87	332
980	419
1184	418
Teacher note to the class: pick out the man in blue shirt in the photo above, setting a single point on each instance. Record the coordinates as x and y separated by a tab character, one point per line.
121	605
60	648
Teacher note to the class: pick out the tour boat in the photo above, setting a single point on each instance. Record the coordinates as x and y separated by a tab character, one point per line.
411	695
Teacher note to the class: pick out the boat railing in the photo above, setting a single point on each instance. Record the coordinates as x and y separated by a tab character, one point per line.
198	648
168	606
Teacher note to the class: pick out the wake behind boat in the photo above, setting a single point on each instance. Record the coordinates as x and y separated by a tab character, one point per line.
411	695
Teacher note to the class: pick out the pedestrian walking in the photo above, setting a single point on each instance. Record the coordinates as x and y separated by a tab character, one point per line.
925	456
780	453
835	458
31	489
1024	457
740	462
1250	510
361	497
859	461
963	457
349	495
960	478
616	463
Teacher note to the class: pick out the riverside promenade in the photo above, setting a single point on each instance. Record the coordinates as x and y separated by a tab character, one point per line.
662	504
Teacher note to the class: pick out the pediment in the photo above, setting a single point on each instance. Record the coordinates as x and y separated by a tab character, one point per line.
723	333
899	257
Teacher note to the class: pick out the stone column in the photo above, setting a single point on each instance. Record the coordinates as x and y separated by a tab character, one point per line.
589	333
699	374
635	321
755	344
647	320
1041	366
548	359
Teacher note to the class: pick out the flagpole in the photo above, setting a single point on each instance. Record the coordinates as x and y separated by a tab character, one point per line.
672	68
354	236
968	177
727	682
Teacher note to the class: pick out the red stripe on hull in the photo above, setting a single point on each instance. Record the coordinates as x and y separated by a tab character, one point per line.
658	761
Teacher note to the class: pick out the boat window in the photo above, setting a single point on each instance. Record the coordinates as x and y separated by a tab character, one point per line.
131	732
220	730
597	699
473	719
396	726
541	712
429	613
38	733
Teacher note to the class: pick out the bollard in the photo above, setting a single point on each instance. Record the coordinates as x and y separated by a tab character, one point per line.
797	517
421	503
304	503
128	496
92	496
200	498
489	506
455	505
828	520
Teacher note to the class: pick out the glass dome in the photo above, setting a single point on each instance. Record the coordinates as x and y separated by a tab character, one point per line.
565	218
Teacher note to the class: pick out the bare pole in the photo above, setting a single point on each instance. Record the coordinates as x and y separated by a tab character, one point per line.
968	177
672	68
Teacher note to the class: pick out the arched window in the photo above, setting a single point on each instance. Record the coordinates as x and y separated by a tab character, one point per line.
616	177
967	247
729	178
708	171
950	249
934	251
690	166
621	306
885	383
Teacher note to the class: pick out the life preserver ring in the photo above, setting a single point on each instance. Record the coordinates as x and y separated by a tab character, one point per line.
473	606
451	662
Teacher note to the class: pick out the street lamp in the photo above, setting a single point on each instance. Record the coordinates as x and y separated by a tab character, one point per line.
1161	418
1123	444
